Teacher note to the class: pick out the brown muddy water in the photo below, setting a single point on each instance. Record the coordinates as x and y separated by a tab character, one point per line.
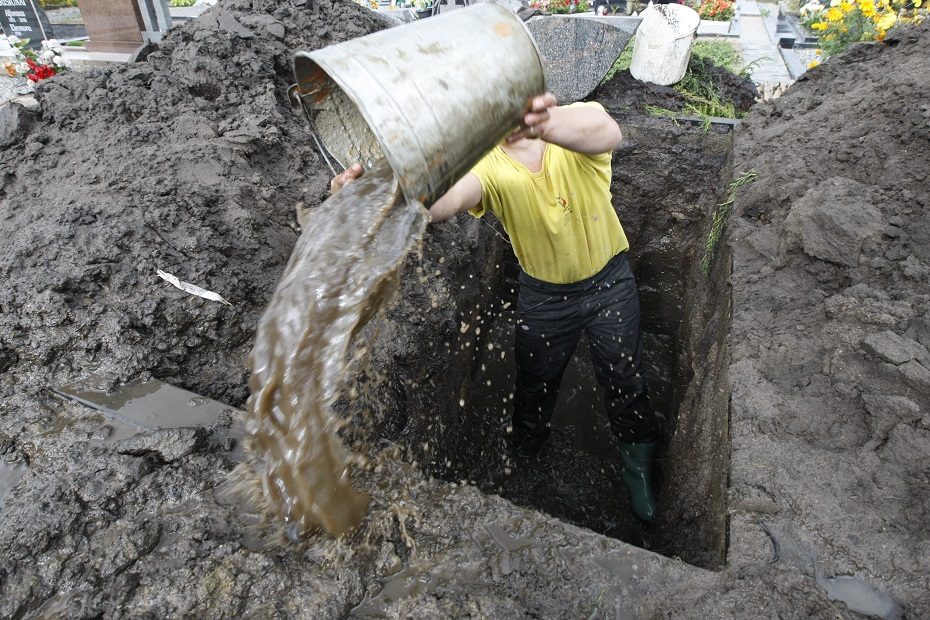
344	267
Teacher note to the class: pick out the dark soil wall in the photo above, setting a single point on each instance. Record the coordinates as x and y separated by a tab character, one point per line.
669	181
446	382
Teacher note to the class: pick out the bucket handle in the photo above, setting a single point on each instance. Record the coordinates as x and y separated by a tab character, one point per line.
298	101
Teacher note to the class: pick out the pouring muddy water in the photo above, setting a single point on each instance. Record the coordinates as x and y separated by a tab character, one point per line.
417	105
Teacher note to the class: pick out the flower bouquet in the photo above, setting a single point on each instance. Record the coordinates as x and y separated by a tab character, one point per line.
715	10
31	64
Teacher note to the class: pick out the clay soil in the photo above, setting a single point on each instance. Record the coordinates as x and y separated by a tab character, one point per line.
192	162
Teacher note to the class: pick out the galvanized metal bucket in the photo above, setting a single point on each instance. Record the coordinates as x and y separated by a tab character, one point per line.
431	97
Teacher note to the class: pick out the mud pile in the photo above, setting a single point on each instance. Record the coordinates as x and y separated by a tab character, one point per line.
634	97
830	371
190	162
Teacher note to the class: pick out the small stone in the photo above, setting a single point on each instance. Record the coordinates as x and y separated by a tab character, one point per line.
885	412
916	374
864	291
892	348
915	269
908	448
833	219
276	29
922	327
170	444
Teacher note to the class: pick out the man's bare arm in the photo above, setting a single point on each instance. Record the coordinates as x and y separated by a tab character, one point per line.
464	195
583	129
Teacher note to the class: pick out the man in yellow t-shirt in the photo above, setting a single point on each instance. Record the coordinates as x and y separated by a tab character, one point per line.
549	185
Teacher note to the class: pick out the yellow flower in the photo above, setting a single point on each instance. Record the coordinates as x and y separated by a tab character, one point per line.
868	10
818	51
834	14
886	21
813	64
917	3
847	7
10	68
819	25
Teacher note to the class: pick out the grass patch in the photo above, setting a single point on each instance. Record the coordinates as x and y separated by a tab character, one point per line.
698	87
720	219
720	53
702	97
659	112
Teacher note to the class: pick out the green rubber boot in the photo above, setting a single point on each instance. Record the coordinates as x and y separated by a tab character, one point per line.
637	476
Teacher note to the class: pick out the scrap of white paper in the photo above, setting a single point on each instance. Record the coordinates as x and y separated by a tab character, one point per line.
193	289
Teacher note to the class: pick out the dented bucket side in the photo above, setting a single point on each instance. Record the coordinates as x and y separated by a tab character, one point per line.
431	97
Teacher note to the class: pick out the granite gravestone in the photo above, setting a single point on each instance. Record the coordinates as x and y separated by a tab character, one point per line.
24	19
112	25
577	52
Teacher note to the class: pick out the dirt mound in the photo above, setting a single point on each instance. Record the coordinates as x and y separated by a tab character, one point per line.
625	94
192	163
831	371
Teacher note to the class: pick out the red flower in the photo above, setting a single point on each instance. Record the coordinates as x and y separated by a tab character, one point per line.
39	72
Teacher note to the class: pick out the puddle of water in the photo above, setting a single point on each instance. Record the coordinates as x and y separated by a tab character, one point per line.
414	582
148	405
859	596
622	568
10	475
506	541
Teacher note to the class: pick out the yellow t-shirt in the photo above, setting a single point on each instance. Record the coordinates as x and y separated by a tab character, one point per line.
561	222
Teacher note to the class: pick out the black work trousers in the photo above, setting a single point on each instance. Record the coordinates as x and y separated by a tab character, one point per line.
550	321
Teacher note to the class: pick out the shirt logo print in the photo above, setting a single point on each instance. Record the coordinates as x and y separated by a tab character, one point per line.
567	208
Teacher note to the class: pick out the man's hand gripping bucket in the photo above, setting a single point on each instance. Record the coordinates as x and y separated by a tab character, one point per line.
430	97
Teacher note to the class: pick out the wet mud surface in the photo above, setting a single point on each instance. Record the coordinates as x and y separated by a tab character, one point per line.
192	162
